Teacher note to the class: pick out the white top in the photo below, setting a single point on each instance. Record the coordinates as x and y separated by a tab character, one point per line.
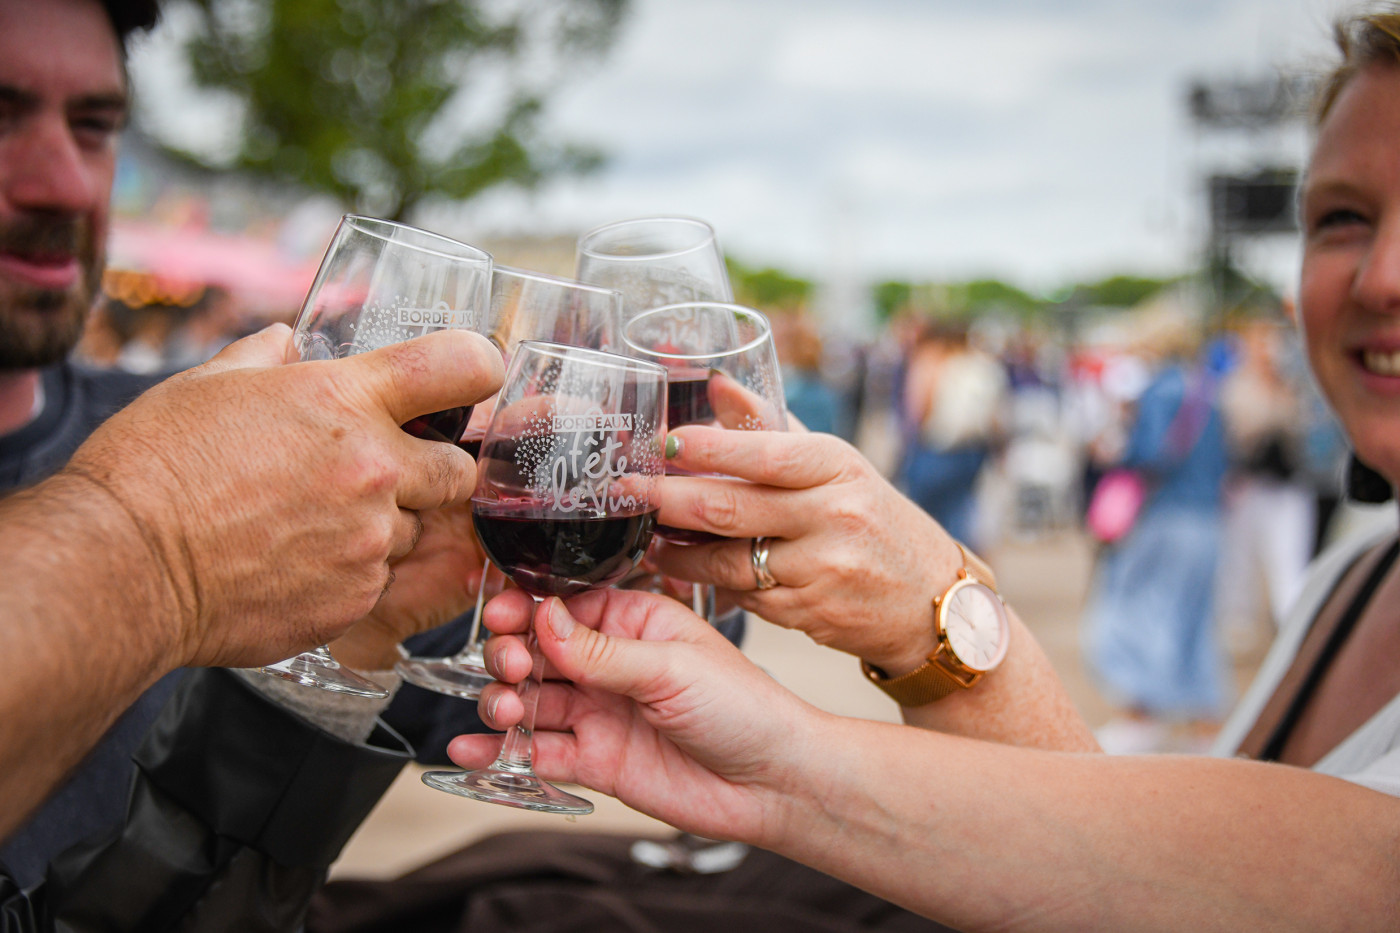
1370	756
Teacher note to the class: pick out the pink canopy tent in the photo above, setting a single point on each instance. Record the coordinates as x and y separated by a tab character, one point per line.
256	270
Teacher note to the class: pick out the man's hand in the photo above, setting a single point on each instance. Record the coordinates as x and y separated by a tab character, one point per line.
274	497
434	584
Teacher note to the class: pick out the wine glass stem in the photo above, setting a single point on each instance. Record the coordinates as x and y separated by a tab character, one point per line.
516	750
473	643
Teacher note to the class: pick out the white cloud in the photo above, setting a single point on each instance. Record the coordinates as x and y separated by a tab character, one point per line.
1038	141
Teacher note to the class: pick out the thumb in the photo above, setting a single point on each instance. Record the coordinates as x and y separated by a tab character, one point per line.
618	664
444	369
271	346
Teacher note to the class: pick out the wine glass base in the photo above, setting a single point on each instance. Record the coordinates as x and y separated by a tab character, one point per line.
445	675
509	788
333	676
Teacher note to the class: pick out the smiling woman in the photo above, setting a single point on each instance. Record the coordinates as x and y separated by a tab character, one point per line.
1350	286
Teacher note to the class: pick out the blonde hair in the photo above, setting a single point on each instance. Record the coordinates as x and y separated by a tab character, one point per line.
1364	39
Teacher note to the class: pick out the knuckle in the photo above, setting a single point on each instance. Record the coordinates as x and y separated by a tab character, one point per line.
722	564
844	563
777	461
444	469
373	541
370	473
409	362
719	510
850	515
594	653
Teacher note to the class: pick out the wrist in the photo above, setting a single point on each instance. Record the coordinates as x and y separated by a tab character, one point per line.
85	533
155	549
912	643
804	793
971	631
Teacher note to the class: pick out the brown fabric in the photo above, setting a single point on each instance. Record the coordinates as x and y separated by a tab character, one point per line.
565	882
1271	727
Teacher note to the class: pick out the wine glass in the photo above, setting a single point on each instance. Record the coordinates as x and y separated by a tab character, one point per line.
654	261
657	261
380	283
722	368
565	502
525	305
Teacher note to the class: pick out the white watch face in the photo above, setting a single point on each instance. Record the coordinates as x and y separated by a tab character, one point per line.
975	622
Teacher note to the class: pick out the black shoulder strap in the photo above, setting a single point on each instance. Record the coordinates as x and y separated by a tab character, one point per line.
1335	639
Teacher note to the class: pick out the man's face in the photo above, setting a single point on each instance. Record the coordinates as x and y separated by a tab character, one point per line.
62	105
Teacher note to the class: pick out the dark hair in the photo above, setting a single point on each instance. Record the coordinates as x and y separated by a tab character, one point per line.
131	16
1364	39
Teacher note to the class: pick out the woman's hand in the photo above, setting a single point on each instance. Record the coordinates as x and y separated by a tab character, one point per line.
857	564
660	712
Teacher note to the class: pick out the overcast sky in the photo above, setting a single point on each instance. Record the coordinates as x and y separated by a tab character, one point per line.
1037	140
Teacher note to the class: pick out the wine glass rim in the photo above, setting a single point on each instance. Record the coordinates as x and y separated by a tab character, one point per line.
765	329
451	249
708	238
602	357
559	280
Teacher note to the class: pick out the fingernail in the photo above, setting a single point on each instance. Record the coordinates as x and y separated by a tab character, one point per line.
491	705
673	447
560	622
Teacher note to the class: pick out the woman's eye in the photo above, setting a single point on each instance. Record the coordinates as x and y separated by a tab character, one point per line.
1339	217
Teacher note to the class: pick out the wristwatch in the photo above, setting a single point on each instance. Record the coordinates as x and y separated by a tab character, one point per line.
971	631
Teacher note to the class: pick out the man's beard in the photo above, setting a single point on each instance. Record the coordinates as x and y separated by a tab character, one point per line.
39	326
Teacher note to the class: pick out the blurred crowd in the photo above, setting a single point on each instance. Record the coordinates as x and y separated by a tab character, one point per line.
1002	430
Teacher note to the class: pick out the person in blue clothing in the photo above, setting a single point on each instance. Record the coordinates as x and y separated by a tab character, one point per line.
808	397
1149	619
953	398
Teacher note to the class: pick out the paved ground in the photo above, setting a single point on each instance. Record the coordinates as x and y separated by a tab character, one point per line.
1045	579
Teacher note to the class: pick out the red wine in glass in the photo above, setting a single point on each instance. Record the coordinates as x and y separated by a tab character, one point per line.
688	398
446	425
549	553
687	402
471	441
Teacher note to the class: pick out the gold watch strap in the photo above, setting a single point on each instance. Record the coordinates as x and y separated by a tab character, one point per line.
931	680
977	567
928	682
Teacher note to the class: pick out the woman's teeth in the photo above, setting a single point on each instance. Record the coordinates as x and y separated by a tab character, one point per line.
1382	364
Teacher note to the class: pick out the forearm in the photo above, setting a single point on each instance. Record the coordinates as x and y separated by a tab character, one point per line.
985	836
1023	702
87	627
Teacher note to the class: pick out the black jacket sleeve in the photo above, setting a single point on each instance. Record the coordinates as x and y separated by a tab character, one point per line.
236	811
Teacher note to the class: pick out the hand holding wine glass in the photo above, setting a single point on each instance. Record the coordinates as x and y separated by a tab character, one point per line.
565	503
669	717
722	370
383	283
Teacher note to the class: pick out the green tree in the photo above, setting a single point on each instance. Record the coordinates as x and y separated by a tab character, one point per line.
768	288
994	294
383	103
890	296
1120	291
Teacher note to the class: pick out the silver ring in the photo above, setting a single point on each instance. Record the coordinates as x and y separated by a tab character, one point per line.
758	557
